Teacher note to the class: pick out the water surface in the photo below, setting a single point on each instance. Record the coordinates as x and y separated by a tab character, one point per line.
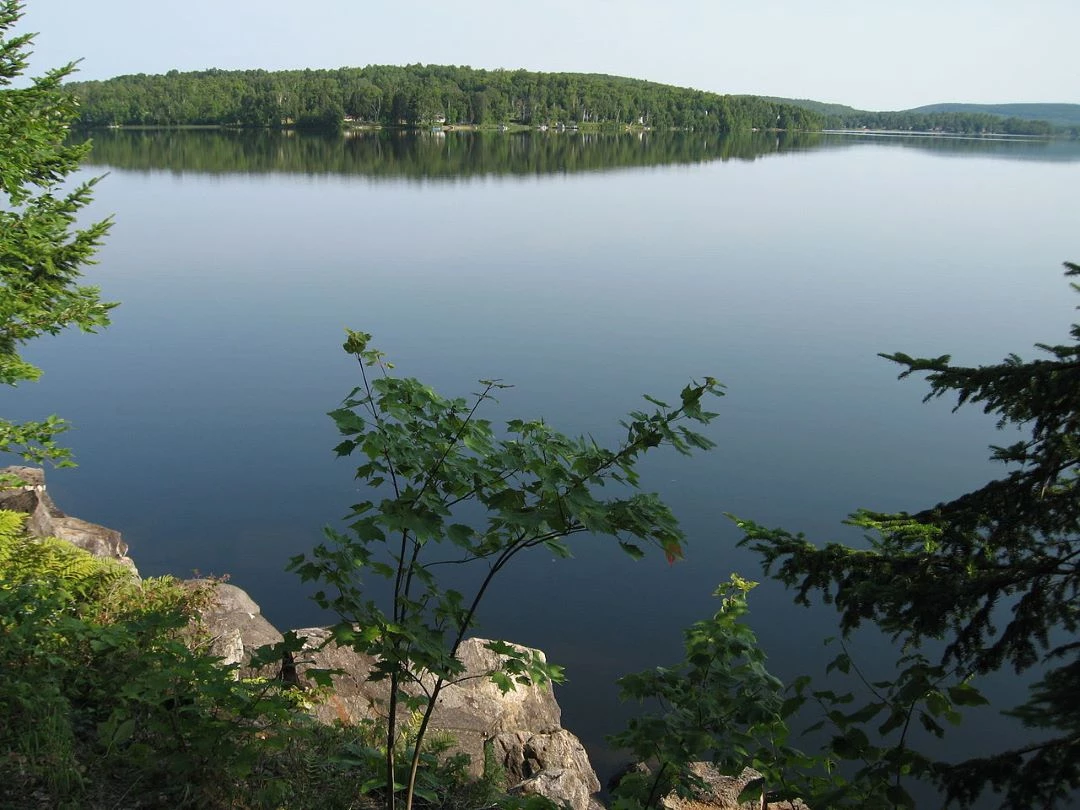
586	270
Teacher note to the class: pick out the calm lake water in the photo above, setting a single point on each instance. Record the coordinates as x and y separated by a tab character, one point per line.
586	271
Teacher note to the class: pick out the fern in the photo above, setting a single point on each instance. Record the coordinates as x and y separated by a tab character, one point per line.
53	562
11	530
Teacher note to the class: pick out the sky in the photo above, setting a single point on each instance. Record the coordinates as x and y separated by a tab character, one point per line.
869	54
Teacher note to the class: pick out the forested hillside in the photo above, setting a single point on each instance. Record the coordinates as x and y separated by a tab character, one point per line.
1060	115
967	123
418	95
966	119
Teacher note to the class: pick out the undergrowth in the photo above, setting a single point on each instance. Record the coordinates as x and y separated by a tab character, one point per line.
111	700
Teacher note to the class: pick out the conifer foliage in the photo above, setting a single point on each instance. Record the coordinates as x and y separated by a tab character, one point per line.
42	252
994	575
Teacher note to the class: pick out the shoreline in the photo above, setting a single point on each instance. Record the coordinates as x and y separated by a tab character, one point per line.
969	136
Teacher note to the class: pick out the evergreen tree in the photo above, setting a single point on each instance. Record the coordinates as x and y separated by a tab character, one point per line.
41	249
993	575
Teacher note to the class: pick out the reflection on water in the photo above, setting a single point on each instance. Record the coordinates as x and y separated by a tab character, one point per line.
239	257
1004	147
424	155
454	156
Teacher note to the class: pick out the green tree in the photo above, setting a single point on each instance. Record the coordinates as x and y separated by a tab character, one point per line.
444	490
42	252
415	95
991	579
719	703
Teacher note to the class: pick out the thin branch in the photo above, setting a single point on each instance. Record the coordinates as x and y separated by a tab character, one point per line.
655	785
472	492
862	677
480	398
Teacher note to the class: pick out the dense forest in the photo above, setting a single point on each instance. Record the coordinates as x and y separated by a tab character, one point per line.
419	95
966	123
1066	116
964	119
424	95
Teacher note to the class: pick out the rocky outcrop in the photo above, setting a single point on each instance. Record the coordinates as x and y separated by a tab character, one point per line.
718	792
553	764
521	729
44	518
237	628
354	697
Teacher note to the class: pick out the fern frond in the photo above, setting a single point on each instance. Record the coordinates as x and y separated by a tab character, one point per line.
49	560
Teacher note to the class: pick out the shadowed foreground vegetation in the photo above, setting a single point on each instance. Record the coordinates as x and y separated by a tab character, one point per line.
111	699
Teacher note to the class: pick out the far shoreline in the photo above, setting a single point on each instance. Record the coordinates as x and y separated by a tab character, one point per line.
967	136
589	128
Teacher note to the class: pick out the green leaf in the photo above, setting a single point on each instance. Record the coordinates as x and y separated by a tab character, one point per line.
345	448
322	677
850	745
894	721
841	662
503	681
931	725
791	705
936	703
460	534
867	713
966	695
356	342
899	797
347	422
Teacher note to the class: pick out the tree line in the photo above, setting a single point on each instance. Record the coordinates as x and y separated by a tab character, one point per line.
1064	116
958	119
420	95
963	123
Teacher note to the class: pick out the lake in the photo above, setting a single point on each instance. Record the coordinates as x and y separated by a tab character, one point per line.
585	270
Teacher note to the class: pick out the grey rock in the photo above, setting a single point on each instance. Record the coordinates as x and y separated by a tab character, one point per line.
722	793
522	726
44	518
237	628
554	765
353	698
562	786
475	710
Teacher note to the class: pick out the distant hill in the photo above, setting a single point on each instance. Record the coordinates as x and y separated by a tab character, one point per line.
1060	115
822	107
973	119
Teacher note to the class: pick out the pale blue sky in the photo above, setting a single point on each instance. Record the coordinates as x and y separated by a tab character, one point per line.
866	53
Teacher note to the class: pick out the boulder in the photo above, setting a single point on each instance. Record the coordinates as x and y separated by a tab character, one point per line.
554	765
353	698
475	710
44	518
722	792
237	628
522	726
